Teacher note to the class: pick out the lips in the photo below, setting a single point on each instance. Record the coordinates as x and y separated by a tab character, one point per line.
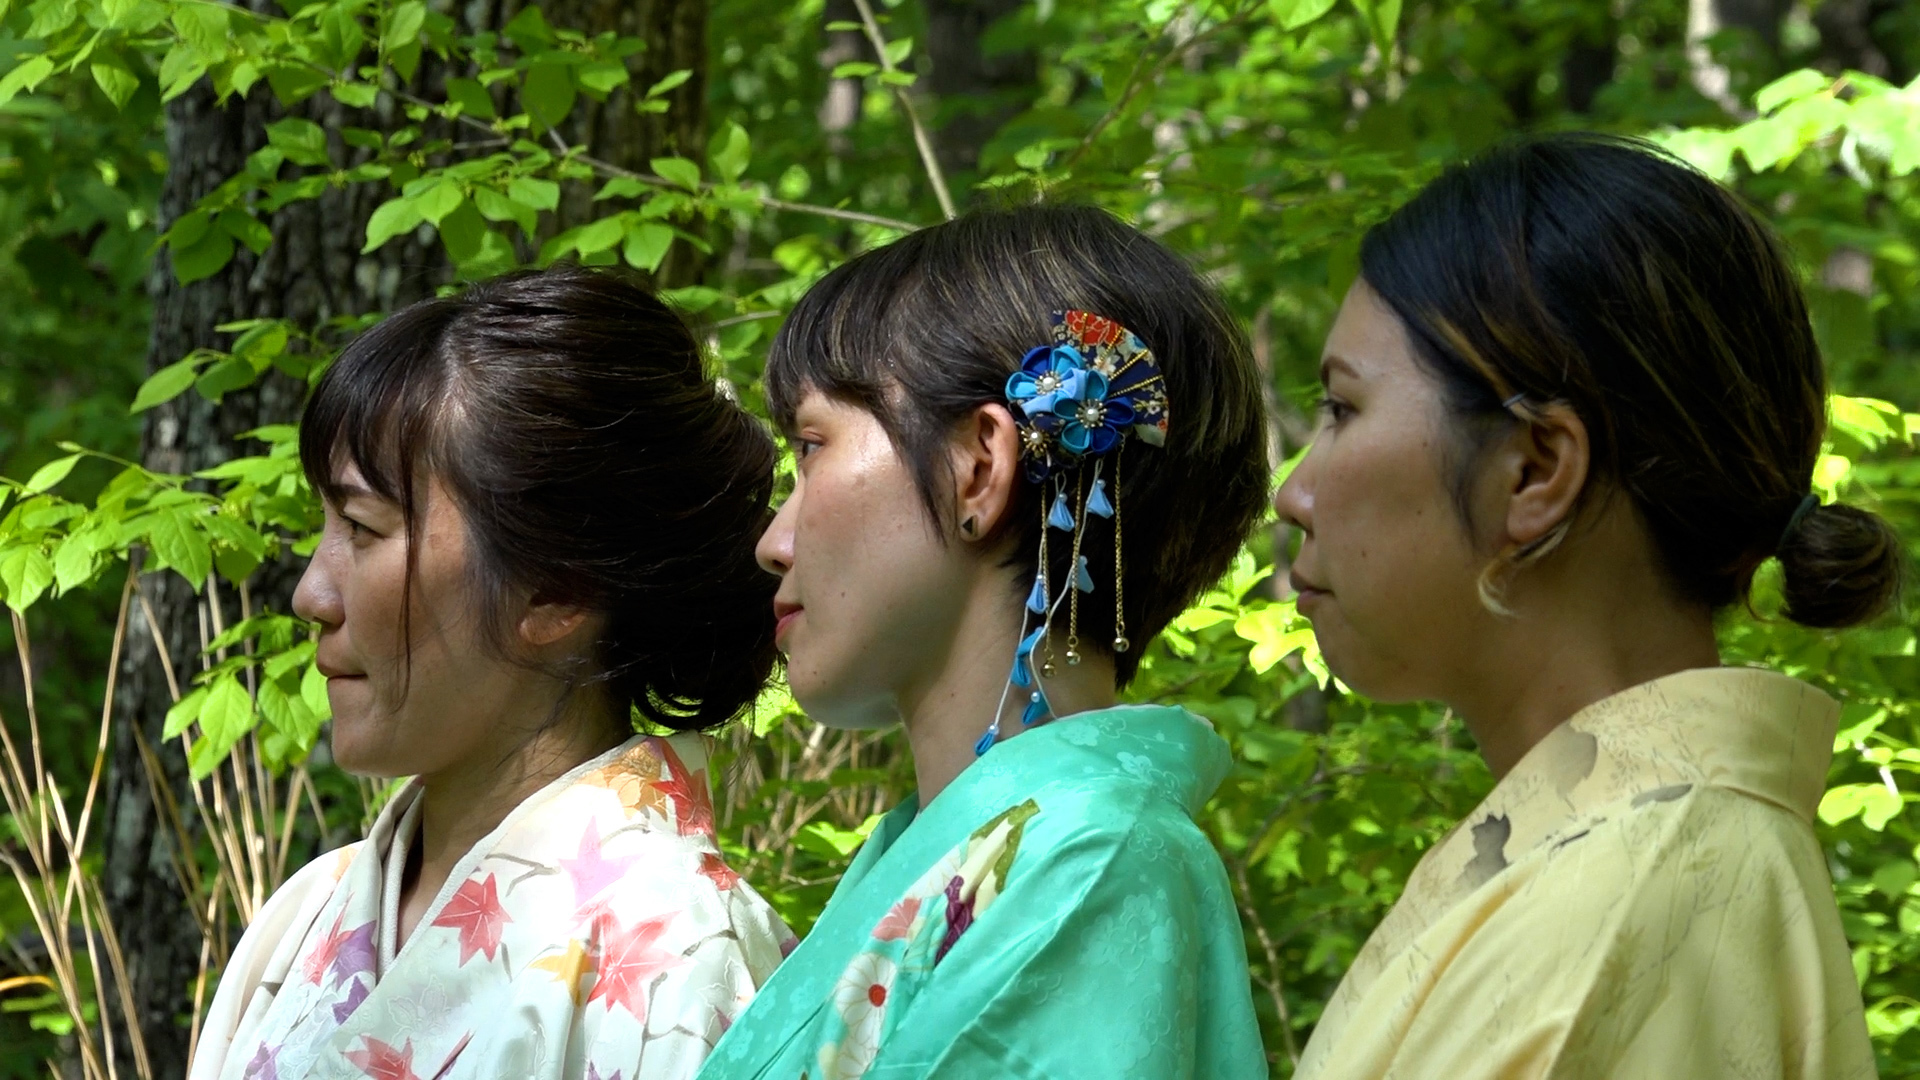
784	614
331	671
1304	589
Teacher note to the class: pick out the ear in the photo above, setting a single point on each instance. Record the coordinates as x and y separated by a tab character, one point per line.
1546	466
546	623
986	465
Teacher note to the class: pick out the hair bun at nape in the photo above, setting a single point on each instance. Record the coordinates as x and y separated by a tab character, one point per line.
1840	566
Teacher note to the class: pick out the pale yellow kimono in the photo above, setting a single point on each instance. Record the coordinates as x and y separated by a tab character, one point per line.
1641	897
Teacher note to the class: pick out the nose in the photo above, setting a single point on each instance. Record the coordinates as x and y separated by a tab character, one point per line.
317	597
775	549
1294	501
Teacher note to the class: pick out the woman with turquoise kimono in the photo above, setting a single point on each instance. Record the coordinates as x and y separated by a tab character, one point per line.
1026	440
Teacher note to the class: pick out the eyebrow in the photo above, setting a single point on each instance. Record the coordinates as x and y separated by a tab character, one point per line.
1330	362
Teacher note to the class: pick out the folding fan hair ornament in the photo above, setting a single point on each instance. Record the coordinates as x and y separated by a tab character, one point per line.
1076	401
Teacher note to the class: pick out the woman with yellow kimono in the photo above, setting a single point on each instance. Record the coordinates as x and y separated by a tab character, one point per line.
1572	405
540	517
1026	440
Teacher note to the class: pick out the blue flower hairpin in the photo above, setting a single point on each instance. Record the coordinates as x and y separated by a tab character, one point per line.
1076	401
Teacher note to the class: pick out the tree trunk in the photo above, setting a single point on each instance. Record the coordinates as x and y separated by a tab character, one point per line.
313	272
978	93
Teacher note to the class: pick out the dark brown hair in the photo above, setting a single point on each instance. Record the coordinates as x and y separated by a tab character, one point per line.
595	461
924	331
1602	273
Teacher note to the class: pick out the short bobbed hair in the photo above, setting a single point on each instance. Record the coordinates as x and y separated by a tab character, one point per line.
595	462
926	330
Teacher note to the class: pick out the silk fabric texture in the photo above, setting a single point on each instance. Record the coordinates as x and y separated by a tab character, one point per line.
1054	912
595	934
1642	896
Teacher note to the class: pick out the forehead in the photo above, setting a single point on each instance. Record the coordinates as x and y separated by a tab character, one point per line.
1368	341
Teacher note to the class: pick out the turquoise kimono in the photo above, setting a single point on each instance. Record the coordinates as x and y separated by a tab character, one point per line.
1055	912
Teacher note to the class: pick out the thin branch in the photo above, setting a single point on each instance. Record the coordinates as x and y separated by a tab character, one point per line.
935	175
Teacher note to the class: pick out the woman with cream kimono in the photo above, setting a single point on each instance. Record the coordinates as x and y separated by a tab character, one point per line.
1572	405
1026	440
540	515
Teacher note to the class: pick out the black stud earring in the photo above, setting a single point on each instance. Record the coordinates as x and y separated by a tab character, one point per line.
968	526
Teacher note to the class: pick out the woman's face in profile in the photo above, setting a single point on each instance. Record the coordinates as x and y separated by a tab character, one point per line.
395	714
868	593
1386	571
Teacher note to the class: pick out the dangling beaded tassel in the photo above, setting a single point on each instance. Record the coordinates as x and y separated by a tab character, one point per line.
1037	599
1120	642
1078	569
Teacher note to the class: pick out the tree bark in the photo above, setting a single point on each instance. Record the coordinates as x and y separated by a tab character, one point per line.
978	92
313	272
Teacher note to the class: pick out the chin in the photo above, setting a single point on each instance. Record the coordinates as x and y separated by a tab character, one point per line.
353	755
832	706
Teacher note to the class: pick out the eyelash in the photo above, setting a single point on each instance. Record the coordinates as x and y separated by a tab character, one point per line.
804	448
1333	408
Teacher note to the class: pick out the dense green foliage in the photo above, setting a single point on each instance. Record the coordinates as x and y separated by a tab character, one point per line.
1258	137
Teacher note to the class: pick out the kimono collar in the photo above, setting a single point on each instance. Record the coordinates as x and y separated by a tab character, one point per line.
1167	749
1740	729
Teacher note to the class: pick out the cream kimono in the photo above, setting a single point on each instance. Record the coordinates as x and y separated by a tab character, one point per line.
595	934
1642	896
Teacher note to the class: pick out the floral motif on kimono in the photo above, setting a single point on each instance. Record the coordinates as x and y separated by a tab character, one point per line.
595	934
916	934
1054	912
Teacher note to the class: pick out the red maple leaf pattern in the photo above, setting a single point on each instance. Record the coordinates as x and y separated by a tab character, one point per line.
715	869
475	911
630	957
1092	329
383	1061
329	951
692	804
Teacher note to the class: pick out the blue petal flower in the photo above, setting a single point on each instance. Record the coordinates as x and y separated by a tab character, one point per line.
1038	709
1097	502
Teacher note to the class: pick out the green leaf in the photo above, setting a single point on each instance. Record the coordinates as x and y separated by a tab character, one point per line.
1294	14
599	235
647	244
1789	88
668	83
356	95
529	30
403	25
25	573
678	170
472	98
184	712
164	385
548	94
179	70
203	26
302	141
26	76
247	229
602	76
226	376
462	230
394	217
181	545
225	718
1383	21
898	50
74	560
495	206
854	69
438	201
114	80
731	153
47	476
533	192
204	258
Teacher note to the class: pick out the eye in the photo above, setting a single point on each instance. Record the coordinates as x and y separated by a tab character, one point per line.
1335	410
804	447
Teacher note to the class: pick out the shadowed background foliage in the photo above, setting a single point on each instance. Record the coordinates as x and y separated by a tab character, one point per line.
200	201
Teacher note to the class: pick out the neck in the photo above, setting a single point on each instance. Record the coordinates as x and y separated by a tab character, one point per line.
946	715
1563	651
461	804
